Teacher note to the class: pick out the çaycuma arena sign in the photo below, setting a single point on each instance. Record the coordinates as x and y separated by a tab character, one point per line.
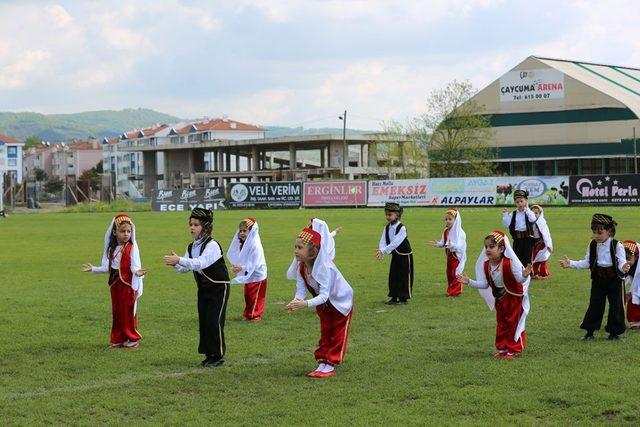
342	193
532	85
265	194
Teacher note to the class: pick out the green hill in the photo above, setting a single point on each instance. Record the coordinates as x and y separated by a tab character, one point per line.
57	127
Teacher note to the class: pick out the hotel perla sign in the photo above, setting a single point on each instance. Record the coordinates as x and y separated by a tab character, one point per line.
532	85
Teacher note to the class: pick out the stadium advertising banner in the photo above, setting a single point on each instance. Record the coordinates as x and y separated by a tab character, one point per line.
545	190
462	191
407	192
605	189
177	200
532	85
265	194
343	193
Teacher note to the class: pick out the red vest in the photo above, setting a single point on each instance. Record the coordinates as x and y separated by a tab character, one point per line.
303	273
511	285
124	272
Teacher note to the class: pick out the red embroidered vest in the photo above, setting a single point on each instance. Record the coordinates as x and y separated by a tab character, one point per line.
511	285
124	272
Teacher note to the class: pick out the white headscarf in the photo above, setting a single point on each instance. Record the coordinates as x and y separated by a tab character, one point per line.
541	223
136	263
635	282
328	245
250	257
457	241
487	294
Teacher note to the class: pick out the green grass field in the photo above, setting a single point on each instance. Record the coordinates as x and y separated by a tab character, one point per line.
429	362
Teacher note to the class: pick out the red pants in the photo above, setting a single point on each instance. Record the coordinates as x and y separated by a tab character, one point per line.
633	312
508	311
454	287
334	333
254	297
541	269
124	326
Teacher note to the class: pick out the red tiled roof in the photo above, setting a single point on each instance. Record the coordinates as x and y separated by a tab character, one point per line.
217	124
9	140
144	132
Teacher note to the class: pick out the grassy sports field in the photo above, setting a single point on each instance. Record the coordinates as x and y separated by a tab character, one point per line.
429	362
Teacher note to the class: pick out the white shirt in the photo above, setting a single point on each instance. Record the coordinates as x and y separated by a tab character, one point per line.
338	291
496	275
521	224
199	261
115	262
603	253
396	239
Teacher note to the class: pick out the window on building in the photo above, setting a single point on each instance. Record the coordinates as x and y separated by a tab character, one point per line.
12	162
591	166
617	165
12	151
567	167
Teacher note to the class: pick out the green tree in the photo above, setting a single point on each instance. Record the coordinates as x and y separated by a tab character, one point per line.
40	174
54	185
453	138
93	176
32	141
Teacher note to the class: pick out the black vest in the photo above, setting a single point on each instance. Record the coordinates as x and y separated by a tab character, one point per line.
216	273
512	226
403	248
593	257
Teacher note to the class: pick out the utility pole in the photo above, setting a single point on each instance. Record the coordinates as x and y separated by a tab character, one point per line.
344	141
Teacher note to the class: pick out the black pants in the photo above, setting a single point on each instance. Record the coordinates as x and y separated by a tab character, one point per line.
523	249
401	276
212	309
601	289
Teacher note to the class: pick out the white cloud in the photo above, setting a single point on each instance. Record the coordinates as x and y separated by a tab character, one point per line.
16	74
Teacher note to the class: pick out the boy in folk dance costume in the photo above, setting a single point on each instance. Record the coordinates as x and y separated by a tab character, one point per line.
520	224
454	240
205	258
247	261
606	259
542	245
503	283
394	241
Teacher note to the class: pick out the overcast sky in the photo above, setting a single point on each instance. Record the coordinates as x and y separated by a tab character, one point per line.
288	62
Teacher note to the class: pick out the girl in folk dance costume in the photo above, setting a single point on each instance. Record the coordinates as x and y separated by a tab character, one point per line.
542	245
121	259
503	283
315	272
454	240
247	261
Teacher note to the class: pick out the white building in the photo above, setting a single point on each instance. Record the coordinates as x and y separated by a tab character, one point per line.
11	157
128	167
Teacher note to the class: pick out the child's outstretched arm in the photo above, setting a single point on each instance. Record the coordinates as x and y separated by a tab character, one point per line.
301	293
336	231
580	265
506	217
479	284
89	268
173	259
136	267
395	242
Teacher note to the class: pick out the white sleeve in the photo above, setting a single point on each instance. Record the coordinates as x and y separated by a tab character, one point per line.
441	243
395	242
517	274
383	240
506	218
104	268
211	254
479	284
333	233
301	287
180	269
582	264
621	255
135	259
530	215
323	293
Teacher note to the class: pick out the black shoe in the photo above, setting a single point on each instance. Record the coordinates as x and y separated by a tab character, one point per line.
211	363
403	301
588	337
392	301
613	337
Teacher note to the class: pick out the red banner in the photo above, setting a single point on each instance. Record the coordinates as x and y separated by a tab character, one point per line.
341	193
